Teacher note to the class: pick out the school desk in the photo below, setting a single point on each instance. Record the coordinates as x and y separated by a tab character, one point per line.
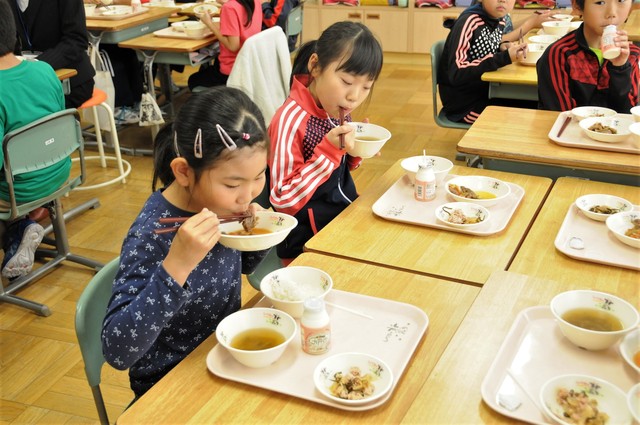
190	393
513	81
64	74
516	140
115	31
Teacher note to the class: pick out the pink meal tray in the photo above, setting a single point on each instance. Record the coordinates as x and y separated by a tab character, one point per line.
171	33
535	351
600	246
574	137
398	204
389	330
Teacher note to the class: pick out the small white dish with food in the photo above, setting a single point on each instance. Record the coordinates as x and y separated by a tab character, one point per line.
181	26
441	166
625	226
288	287
481	190
582	112
271	229
200	9
580	397
353	378
463	215
563	17
607	129
534	52
630	349
599	206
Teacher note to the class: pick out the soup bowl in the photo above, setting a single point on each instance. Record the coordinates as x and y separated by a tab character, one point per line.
274	225
288	287
264	334
577	390
556	27
582	112
441	166
370	138
594	205
592	310
490	191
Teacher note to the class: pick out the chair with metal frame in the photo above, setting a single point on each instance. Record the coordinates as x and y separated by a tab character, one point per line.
90	311
293	25
33	147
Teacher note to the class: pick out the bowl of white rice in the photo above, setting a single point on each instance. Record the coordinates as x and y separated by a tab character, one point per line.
288	287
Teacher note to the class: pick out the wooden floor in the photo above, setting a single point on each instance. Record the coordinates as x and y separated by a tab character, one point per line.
41	370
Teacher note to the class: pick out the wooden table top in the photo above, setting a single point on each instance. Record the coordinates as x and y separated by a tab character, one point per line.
452	394
514	73
520	134
65	73
633	25
192	394
165	44
152	14
538	256
359	234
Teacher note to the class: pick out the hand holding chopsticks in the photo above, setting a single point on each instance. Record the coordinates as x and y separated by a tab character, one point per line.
180	220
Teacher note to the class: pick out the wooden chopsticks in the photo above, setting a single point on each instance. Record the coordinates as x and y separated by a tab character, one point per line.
341	123
566	122
180	220
521	41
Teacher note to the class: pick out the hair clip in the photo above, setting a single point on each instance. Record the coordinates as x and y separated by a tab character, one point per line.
175	143
197	144
246	136
226	139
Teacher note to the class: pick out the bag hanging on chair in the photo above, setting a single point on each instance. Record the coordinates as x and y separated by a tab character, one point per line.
103	81
150	113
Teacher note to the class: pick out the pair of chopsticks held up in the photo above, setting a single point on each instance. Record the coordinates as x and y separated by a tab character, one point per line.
522	49
180	220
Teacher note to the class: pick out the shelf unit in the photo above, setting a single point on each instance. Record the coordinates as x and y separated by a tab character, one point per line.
400	29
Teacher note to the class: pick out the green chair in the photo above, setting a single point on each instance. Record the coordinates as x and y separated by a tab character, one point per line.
90	312
439	116
35	146
293	25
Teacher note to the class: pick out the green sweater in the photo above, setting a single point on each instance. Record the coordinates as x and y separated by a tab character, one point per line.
29	91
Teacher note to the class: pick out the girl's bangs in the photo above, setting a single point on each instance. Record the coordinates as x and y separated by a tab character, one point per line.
365	59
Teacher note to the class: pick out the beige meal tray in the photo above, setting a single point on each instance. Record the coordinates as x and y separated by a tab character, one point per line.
600	246
535	351
171	33
574	137
398	204
391	332
117	17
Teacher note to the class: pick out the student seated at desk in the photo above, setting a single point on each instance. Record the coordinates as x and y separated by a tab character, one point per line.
572	71
276	12
471	49
29	90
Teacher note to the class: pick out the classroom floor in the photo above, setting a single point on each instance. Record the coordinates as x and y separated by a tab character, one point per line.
42	378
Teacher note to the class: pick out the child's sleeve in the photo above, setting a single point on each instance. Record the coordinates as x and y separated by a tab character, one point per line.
466	37
294	180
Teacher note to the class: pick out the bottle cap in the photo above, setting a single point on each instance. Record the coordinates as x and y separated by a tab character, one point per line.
314	304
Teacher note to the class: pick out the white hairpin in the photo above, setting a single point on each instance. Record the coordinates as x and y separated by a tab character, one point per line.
226	139
175	143
197	144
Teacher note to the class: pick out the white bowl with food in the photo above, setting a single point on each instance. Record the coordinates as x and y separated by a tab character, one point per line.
257	337
635	112
607	129
634	129
572	399
630	349
593	320
181	26
481	190
625	226
270	229
633	402
534	52
441	166
545	39
563	17
559	28
599	207
462	215
288	287
582	112
369	139
195	30
200	9
161	3
353	378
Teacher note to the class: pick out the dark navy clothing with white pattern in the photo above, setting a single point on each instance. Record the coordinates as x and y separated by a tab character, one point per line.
152	323
471	49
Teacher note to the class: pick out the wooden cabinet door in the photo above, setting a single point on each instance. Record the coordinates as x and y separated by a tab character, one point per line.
390	25
311	28
427	27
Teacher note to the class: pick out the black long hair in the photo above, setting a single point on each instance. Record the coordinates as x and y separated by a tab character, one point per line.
231	108
249	7
345	39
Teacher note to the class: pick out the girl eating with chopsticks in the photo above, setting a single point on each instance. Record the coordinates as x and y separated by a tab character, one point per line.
173	288
309	161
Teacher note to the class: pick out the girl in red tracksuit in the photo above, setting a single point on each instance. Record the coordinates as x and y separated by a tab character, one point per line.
310	174
572	71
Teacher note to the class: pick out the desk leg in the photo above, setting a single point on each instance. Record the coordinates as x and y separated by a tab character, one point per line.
149	57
